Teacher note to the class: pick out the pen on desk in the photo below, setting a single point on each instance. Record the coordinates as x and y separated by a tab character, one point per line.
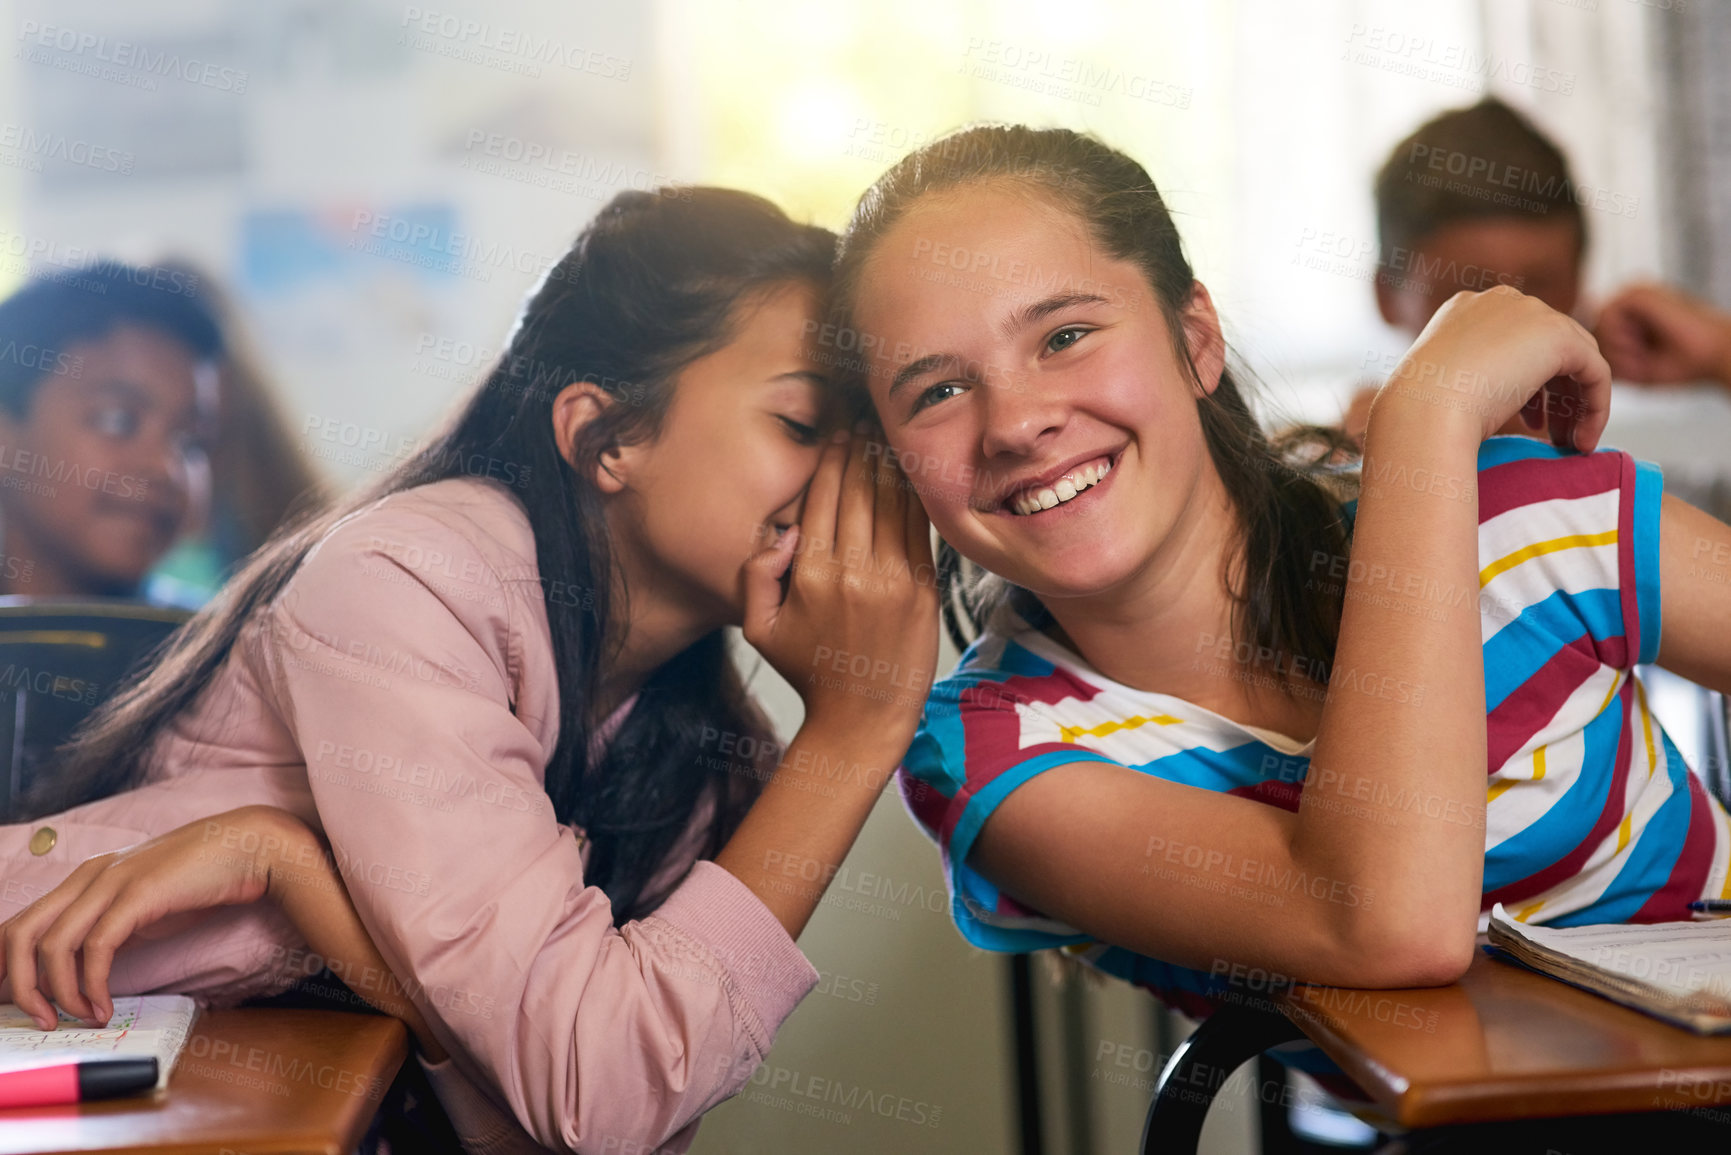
76	1082
1712	905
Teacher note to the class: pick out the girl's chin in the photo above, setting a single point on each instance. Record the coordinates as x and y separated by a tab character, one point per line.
1088	579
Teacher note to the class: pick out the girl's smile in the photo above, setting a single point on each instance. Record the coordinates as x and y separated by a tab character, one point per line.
1061	488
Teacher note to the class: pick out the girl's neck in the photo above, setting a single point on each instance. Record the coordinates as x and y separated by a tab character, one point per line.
1169	629
647	630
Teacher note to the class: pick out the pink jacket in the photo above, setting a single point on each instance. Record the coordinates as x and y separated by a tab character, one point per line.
400	695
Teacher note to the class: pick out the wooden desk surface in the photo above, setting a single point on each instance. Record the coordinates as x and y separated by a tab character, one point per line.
1506	1043
251	1081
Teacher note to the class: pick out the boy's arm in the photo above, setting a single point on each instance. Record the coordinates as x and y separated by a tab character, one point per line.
1695	593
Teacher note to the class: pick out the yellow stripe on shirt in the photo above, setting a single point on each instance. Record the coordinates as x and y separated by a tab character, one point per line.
1071	733
1623	827
1646	726
1496	792
1526	553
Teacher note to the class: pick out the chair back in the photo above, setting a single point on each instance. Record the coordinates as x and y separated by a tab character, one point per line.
1716	745
59	659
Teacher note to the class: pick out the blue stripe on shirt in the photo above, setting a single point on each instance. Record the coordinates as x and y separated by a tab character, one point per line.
1561	828
1522	648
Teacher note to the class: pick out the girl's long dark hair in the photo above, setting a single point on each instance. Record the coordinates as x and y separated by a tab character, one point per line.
1286	498
653	283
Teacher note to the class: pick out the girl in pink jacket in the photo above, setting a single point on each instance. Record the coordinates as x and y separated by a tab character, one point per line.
489	702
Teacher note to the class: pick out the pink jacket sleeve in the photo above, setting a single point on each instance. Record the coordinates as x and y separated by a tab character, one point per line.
408	691
222	955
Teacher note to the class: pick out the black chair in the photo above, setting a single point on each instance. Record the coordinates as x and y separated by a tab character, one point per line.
1716	745
59	659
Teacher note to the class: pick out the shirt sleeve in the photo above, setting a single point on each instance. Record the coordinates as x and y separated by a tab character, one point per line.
221	955
969	754
399	683
1568	559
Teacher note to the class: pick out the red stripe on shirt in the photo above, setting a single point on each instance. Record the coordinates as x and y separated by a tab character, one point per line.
1272	792
923	800
992	732
1530	706
1670	903
1624	656
1517	483
1570	864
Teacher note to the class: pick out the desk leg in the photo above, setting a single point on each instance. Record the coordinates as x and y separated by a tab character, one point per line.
1226	1040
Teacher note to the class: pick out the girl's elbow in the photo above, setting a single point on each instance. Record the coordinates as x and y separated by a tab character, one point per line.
1437	964
1412	956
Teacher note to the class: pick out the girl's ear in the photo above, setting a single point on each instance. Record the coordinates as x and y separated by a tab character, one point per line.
573	409
1202	333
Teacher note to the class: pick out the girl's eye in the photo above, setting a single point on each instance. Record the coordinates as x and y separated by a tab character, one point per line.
934	395
802	433
1064	338
114	421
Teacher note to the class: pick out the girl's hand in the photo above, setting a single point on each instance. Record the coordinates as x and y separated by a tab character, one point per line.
219	861
856	632
1486	357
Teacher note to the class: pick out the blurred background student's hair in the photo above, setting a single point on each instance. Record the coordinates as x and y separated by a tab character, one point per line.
260	475
108	394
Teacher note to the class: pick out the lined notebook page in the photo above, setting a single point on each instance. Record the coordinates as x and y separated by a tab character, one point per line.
142	1025
1680	970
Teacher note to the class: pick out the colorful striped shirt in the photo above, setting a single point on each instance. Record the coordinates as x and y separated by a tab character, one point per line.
1591	814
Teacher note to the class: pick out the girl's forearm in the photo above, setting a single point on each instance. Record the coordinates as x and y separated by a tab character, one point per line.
804	823
1395	792
305	885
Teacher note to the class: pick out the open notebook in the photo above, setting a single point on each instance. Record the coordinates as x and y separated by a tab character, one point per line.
1677	971
143	1025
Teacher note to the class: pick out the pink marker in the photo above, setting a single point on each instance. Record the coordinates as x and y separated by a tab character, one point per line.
76	1082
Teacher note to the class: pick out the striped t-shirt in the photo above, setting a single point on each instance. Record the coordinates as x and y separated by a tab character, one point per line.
1591	814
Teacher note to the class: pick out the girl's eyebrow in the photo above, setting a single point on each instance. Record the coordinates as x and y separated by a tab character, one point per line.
1017	321
803	375
1045	307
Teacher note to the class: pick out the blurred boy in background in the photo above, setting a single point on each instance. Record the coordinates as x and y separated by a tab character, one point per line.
108	394
1474	198
1479	197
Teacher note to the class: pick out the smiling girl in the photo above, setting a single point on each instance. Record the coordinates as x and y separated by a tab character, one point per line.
498	685
1214	713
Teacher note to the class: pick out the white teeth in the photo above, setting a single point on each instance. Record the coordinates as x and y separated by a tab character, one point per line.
1060	491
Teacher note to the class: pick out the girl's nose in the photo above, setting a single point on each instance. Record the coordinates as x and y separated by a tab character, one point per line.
1019	416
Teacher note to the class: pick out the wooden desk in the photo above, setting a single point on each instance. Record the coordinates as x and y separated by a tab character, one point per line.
1506	1043
252	1081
